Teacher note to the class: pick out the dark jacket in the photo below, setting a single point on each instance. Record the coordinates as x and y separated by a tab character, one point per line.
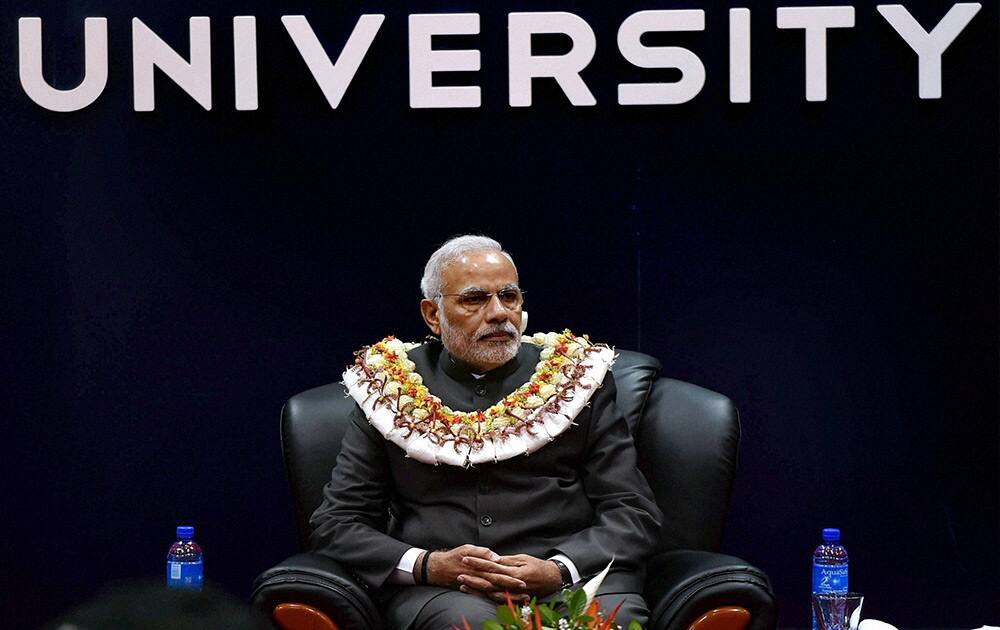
580	495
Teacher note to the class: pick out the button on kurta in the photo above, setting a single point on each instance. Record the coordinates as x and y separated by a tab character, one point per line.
486	520
480	390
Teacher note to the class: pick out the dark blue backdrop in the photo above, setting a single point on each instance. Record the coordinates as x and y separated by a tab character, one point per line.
170	278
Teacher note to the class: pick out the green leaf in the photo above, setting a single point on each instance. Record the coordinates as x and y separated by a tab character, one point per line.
634	625
584	619
549	616
577	603
505	616
489	624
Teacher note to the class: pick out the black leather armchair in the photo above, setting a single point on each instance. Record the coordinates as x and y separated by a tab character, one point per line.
687	438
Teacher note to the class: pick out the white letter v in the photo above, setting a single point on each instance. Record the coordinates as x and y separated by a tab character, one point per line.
333	79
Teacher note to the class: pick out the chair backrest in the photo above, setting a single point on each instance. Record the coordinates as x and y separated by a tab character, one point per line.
687	438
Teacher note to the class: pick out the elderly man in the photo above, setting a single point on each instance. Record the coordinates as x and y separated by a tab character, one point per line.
480	465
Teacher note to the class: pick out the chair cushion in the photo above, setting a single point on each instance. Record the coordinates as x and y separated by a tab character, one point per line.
687	444
313	424
635	374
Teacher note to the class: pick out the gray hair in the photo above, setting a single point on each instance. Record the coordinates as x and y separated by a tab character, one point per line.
453	249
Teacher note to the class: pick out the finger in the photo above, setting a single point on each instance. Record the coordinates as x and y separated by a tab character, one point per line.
518	560
477	551
485	565
507	582
488	583
476	583
502	576
500	580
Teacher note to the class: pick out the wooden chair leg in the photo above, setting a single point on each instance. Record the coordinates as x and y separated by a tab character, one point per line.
301	617
726	618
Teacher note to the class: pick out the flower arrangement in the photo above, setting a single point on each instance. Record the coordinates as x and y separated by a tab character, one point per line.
572	610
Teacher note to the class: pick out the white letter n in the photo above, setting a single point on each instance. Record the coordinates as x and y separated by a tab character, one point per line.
149	51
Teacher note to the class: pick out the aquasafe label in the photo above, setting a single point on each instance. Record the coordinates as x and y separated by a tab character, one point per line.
184	575
829	578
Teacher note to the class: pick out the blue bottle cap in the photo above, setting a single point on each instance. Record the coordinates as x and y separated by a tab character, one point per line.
185	532
831	534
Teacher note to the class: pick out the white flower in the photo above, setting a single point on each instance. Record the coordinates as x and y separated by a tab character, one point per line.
405	402
420	414
395	346
376	361
518	412
563	624
415	378
546	353
546	391
391	388
538	338
533	402
526	614
409	365
551	338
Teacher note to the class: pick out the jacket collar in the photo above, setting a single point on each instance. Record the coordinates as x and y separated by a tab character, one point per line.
460	371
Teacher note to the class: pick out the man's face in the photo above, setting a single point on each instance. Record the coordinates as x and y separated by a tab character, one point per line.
485	338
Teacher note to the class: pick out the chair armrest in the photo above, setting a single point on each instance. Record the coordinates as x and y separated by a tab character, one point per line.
683	585
320	582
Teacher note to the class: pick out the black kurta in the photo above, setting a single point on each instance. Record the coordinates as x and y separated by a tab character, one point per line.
580	495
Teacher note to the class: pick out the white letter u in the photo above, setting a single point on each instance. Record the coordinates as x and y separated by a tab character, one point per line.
29	31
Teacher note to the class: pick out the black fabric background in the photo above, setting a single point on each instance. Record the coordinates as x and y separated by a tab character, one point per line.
170	278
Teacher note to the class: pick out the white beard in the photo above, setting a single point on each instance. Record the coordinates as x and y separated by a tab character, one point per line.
465	347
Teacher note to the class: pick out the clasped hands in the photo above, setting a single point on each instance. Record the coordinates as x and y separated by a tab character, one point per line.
478	570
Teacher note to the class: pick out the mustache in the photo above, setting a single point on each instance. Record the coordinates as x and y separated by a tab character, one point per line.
505	328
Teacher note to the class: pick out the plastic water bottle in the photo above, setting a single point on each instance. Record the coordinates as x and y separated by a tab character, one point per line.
829	566
184	561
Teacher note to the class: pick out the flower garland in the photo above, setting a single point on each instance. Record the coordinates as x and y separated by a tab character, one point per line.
385	384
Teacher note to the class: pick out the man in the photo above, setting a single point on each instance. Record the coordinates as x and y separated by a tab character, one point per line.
443	542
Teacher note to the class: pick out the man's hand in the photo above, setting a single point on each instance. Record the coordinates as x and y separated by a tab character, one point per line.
450	569
540	577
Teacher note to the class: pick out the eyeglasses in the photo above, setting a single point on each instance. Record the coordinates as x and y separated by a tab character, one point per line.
511	298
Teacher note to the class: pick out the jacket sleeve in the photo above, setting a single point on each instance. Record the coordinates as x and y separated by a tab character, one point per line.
626	520
349	526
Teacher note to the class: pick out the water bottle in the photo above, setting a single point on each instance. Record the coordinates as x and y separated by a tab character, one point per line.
829	566
184	561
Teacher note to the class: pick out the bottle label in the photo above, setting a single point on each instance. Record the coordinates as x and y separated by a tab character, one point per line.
184	575
829	578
